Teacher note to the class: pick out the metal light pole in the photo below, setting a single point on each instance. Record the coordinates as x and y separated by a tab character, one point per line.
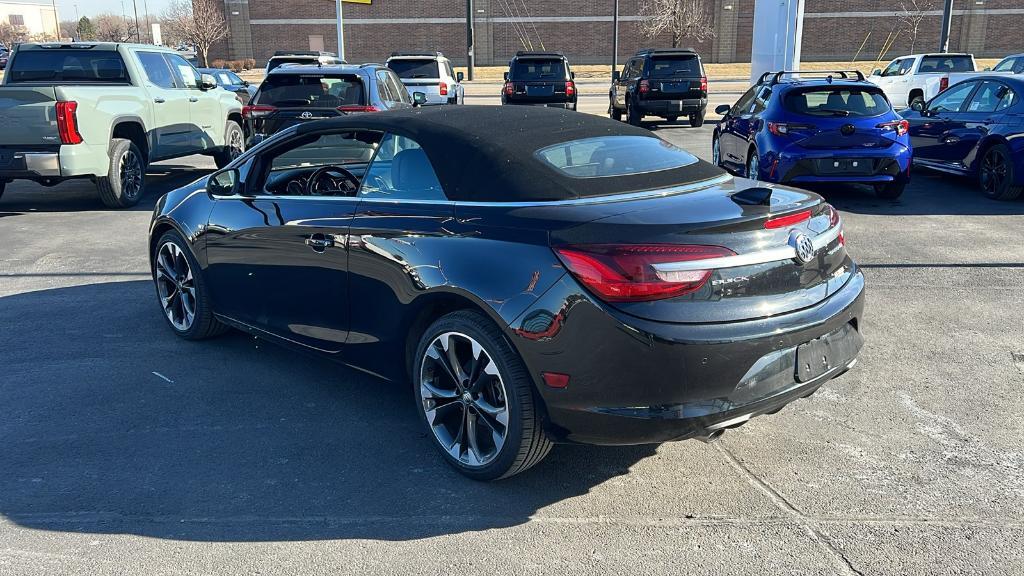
470	49
947	22
341	33
56	20
615	37
138	37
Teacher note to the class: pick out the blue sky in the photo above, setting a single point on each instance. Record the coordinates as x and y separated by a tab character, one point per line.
66	8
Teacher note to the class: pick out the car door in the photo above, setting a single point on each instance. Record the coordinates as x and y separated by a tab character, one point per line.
277	254
745	125
934	131
729	140
205	113
170	131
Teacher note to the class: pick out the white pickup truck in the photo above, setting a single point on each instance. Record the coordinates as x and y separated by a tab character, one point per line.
919	77
105	111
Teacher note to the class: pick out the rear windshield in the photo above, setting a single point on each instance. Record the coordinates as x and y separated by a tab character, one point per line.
614	156
538	69
668	66
838	102
85	66
420	68
943	64
310	90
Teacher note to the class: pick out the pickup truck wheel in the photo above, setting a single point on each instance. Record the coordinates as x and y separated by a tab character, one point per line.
917	98
235	145
125	181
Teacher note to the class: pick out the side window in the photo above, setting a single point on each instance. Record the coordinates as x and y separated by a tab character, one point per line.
987	98
288	167
893	68
953	99
401	170
397	89
761	101
743	104
156	69
185	71
1005	65
905	66
1007	98
448	70
384	87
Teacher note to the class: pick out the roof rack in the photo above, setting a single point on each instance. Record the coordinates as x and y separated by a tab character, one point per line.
665	51
828	74
303	53
532	53
436	53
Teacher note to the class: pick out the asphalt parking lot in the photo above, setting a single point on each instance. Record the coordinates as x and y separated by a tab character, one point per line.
126	451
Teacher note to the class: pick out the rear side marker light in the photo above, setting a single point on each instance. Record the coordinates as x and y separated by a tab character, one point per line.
255	111
787	220
67	123
555	380
900	127
626	273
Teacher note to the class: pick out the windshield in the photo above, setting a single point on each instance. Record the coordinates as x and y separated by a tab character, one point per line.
310	90
68	66
943	64
415	68
668	66
614	156
838	102
538	69
228	79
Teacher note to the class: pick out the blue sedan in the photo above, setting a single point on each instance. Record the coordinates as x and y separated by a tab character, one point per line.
815	128
974	128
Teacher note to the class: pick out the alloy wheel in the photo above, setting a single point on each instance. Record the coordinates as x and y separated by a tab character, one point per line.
176	286
753	167
235	145
993	171
131	174
464	398
716	154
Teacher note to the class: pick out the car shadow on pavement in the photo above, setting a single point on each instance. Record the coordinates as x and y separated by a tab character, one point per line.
110	424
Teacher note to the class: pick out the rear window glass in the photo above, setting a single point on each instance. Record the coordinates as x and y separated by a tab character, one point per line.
838	102
943	64
614	156
420	68
667	66
68	66
538	69
310	90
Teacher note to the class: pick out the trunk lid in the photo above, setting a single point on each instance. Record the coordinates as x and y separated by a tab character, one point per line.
28	116
841	133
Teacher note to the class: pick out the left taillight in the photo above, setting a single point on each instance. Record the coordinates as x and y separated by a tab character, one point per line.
943	83
627	272
900	127
442	89
645	86
67	123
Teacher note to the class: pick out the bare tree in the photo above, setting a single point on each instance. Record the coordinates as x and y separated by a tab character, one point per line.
111	28
199	22
11	35
682	18
910	16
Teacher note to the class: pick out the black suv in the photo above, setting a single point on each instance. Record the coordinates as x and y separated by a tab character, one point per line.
296	93
669	83
539	79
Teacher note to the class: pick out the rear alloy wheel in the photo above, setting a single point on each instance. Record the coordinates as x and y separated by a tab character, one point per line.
697	120
890	190
476	398
633	116
753	165
125	181
613	112
996	175
915	100
234	145
181	290
716	151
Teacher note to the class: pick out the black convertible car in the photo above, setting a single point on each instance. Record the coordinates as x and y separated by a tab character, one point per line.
539	276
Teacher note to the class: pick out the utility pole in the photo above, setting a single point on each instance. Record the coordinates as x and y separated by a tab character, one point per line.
470	37
615	37
138	36
947	22
341	33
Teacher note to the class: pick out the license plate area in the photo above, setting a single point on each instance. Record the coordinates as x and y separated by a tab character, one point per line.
833	350
540	91
846	166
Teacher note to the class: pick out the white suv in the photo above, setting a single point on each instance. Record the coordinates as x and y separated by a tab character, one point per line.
430	73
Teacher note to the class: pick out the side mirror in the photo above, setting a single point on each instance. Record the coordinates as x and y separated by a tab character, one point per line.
419	99
207	82
988	69
245	83
506	76
722	109
917	106
876	72
616	76
459	76
224	183
572	75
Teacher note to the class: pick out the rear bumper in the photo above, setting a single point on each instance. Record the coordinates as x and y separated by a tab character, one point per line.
563	105
634	381
803	166
66	162
672	107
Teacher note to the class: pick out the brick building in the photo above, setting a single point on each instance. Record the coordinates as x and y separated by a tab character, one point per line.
833	29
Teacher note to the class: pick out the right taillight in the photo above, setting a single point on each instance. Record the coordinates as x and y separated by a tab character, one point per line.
67	123
627	272
510	88
256	111
703	83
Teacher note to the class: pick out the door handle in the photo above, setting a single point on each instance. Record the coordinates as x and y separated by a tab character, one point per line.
193	99
319	242
159	100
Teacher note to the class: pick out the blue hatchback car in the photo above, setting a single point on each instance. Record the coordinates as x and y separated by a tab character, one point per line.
805	128
974	128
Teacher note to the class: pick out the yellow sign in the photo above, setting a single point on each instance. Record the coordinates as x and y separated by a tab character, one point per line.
358	1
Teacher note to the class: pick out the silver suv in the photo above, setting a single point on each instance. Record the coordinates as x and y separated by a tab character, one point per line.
430	73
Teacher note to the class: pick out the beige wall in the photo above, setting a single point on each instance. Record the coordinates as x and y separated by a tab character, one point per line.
40	19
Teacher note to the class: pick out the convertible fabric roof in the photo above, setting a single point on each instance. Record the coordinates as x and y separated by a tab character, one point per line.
486	153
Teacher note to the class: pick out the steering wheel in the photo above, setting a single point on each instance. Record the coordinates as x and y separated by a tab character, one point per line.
332	181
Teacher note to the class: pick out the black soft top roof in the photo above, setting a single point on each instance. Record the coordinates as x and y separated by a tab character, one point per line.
486	153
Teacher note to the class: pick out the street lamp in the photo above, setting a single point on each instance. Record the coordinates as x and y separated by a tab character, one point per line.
947	21
615	37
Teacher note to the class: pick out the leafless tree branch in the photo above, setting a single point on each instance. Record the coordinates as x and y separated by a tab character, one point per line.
692	19
199	22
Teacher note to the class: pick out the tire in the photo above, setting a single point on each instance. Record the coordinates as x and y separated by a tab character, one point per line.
890	190
697	120
672	118
716	150
3	186
916	98
753	165
234	145
613	112
996	176
445	409
633	116
172	256
125	181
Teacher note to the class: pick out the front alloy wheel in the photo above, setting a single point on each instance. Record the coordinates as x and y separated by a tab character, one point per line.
716	152
175	286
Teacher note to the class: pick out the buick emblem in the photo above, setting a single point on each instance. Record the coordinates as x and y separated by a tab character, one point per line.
848	129
306	115
803	246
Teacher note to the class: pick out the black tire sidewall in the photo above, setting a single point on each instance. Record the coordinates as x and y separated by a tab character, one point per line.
223	158
196	329
1008	183
112	189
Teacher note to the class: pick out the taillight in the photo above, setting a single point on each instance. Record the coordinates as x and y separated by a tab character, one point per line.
900	127
833	216
570	88
787	220
645	86
703	83
67	123
442	88
943	83
783	128
510	88
252	111
357	108
627	273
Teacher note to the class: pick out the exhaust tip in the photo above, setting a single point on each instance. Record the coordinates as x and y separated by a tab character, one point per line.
709	438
